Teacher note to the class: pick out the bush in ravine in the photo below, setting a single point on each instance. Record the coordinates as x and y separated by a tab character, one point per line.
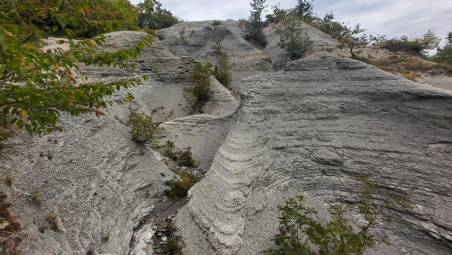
301	232
293	36
199	93
179	186
183	158
36	85
143	130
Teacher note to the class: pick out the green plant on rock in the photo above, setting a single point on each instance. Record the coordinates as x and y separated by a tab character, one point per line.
179	186
183	158
222	70
353	38
302	233
254	25
293	37
200	92
36	85
143	129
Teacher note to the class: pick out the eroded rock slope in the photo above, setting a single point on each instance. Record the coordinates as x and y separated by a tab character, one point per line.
313	128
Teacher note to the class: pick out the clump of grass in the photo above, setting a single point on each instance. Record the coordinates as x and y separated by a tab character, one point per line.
143	129
179	186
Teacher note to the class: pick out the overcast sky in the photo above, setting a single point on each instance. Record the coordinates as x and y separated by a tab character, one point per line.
388	17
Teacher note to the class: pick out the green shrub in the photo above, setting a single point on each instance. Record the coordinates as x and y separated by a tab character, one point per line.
222	71
183	158
293	37
330	26
36	86
418	45
444	55
153	16
253	27
304	9
277	15
199	93
179	186
216	23
143	130
301	232
353	38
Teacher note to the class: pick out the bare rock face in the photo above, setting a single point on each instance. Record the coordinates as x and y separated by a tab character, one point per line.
314	128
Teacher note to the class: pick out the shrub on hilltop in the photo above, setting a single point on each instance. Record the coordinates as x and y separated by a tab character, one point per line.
293	36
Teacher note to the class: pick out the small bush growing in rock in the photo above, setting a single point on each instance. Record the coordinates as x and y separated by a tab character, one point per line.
222	71
301	232
173	245
183	158
179	187
143	130
200	92
293	37
353	38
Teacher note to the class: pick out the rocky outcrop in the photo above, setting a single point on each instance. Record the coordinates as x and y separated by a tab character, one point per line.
317	127
314	128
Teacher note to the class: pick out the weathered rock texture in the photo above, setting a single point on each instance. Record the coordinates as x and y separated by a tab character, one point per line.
313	128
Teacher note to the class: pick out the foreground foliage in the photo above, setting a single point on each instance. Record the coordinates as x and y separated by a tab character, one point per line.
36	84
302	233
